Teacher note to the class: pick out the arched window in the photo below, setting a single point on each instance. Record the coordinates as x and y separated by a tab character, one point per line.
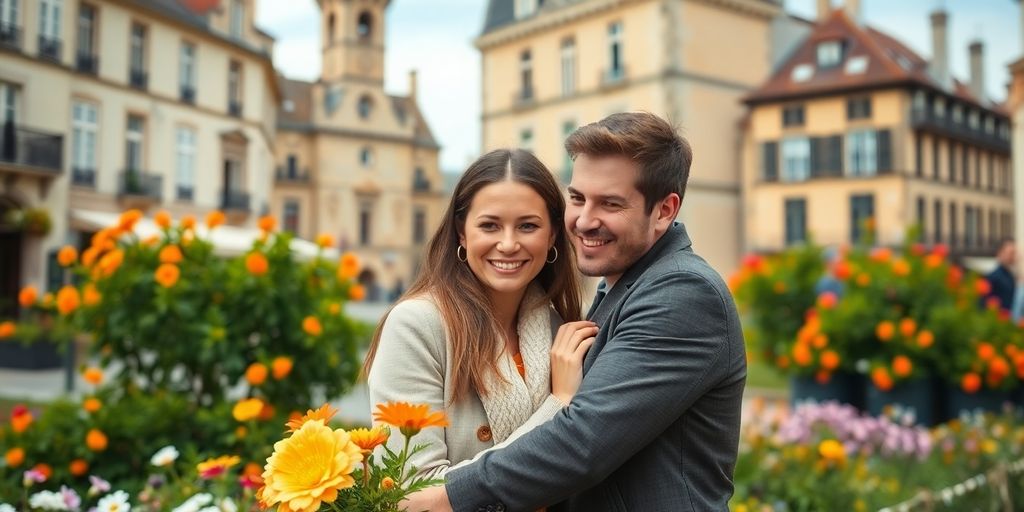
330	29
364	25
366	156
365	107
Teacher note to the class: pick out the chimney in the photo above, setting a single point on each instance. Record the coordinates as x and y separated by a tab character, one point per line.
940	60
824	9
853	10
412	85
977	53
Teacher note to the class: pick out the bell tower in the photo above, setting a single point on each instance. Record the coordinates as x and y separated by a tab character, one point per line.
352	40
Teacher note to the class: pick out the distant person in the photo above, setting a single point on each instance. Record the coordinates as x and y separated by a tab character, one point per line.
1002	280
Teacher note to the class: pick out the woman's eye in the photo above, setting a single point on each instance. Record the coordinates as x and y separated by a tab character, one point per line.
529	226
488	226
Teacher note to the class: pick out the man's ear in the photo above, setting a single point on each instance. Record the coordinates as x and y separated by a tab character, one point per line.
666	211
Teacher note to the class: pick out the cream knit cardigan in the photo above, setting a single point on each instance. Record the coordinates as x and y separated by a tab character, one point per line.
412	365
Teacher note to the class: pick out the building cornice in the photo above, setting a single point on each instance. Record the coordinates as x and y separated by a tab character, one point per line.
313	129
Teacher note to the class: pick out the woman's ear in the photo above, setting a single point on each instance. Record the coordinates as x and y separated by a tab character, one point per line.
461	230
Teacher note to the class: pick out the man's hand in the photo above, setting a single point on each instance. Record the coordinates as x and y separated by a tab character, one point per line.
431	499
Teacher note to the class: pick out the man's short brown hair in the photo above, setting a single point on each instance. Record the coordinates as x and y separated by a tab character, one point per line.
661	153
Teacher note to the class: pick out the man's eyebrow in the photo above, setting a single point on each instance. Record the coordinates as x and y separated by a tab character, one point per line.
609	197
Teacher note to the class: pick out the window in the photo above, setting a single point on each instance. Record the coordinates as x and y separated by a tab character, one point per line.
365	107
958	114
138	48
937	224
918	156
568	67
861	153
419	226
796	159
187	72
969	226
862	212
615	67
366	156
857	65
953	236
86	30
858	108
965	170
951	164
134	143
939	107
84	126
237	18
332	100
292	166
365	223
364	26
8	103
235	88
49	19
993	227
973	120
330	29
525	75
770	157
526	139
8	15
936	168
186	163
922	213
802	73
793	115
796	221
291	215
525	8
830	54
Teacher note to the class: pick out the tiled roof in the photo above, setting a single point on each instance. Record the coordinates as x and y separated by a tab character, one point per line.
175	10
300	94
884	61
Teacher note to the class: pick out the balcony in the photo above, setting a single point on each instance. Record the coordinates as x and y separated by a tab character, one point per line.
927	121
30	152
140	187
188	94
235	201
10	36
49	48
613	77
138	79
83	177
235	108
286	175
87	63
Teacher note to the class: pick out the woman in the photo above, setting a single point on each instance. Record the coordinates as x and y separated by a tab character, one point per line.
478	334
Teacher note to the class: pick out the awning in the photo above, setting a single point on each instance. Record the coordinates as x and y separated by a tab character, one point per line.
227	240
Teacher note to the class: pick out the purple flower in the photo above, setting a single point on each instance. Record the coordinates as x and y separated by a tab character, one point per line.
71	498
156	481
33	476
98	485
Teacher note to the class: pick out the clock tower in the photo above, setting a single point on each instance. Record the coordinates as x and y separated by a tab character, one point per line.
352	39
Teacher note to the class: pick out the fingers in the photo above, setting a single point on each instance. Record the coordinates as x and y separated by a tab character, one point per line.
583	347
569	341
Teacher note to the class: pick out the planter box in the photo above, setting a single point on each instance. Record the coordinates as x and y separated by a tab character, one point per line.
38	355
986	400
846	388
916	395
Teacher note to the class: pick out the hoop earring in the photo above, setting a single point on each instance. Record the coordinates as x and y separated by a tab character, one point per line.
461	254
555	257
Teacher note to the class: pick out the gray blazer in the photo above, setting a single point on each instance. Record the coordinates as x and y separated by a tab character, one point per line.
655	424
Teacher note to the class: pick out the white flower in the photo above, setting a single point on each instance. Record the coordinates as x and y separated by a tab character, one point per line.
195	503
227	505
114	502
47	500
6	508
165	457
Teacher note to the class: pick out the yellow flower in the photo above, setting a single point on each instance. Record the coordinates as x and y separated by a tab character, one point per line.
989	446
67	256
309	468
370	438
324	414
167	275
409	419
211	468
832	450
247	409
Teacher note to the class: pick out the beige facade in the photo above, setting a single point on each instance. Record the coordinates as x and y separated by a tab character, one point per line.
111	104
823	157
355	162
550	69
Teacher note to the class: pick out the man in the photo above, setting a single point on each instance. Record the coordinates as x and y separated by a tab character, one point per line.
655	423
1002	283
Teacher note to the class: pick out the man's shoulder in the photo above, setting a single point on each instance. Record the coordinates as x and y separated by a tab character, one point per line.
684	264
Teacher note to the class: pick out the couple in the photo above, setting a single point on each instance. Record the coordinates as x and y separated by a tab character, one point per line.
636	408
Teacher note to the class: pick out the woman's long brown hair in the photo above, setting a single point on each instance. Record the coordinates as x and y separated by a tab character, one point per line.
466	310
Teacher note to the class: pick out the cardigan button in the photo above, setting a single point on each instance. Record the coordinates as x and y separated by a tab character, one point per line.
484	434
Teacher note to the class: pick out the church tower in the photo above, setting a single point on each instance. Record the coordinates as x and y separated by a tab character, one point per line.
352	40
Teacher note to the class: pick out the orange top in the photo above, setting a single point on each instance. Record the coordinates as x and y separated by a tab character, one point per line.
520	366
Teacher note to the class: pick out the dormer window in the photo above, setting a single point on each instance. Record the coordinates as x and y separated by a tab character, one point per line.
525	8
830	54
802	73
857	65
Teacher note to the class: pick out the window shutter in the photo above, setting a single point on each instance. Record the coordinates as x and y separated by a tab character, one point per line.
884	140
771	161
817	162
835	153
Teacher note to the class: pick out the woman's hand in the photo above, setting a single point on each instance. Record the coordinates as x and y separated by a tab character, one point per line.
570	347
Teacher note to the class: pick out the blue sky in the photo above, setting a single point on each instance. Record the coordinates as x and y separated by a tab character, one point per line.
436	38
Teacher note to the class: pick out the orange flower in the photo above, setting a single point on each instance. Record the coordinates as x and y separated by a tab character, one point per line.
214	467
256	374
863	280
128	219
267	412
67	256
44	469
970	383
7	329
348	266
801	354
998	368
884	330
96	440
842	270
247	409
93	375
334	308
14	457
827	300
782	361
819	341
325	413
880	376
89	256
881	254
902	366
387	483
829	360
982	286
27	296
312	326
91	297
256	263
409	419
908	327
267	223
78	467
67	300
280	367
171	254
162	219
933	261
901	268
110	262
324	240
925	338
92	405
369	438
167	275
214	219
188	222
986	351
779	287
357	292
20	422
